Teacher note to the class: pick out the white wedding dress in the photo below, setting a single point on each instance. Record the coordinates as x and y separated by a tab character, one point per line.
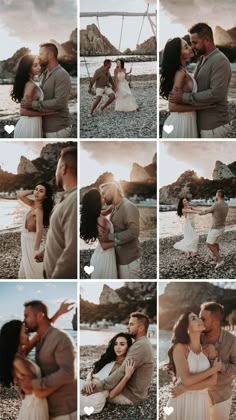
32	407
104	261
184	123
30	127
192	405
191	238
29	268
97	400
124	99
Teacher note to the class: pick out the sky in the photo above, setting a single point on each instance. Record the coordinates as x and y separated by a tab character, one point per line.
111	26
13	295
176	17
11	151
91	290
179	156
112	156
28	23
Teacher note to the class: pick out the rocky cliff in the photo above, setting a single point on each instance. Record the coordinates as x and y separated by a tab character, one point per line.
188	296
75	320
148	47
109	295
93	43
222	171
225	38
144	174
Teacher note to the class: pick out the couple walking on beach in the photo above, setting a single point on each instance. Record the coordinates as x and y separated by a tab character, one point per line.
44	108
59	258
123	374
48	385
117	90
198	103
202	363
118	253
189	244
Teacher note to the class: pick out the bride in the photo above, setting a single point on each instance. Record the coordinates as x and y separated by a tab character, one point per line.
14	365
32	230
124	99
93	223
174	75
189	243
30	122
108	363
191	365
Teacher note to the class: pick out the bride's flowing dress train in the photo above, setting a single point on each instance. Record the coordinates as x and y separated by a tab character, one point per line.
97	400
104	261
191	238
33	407
192	405
29	268
124	99
30	127
184	123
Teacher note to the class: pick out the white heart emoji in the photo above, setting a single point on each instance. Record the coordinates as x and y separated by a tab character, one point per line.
88	410
89	269
168	410
168	128
9	128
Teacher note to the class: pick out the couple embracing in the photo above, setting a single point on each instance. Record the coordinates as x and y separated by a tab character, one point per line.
118	253
202	362
198	103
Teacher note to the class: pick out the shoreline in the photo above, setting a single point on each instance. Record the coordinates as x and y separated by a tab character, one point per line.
148	260
173	264
146	409
164	383
13	121
140	77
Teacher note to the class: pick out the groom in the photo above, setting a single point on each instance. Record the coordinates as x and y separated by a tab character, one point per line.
125	219
55	354
104	85
55	83
219	212
212	74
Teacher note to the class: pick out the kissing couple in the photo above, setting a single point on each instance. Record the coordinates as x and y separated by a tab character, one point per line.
48	384
198	103
118	253
44	108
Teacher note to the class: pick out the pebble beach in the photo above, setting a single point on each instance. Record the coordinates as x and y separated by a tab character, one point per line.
10	403
146	410
173	264
111	124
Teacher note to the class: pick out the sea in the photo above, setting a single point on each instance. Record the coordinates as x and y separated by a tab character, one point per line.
138	68
163	104
170	224
11	215
100	338
10	109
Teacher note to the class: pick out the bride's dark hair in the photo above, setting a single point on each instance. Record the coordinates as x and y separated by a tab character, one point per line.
22	77
90	211
48	202
171	63
9	343
122	62
180	335
180	207
109	354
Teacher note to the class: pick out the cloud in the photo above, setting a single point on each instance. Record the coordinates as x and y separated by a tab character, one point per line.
150	1
202	154
213	12
39	20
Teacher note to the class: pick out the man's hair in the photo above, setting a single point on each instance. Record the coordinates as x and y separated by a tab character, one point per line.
221	193
142	318
50	47
216	309
106	62
38	306
69	157
116	184
203	30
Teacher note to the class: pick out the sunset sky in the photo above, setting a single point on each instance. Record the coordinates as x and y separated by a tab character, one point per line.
179	156
13	295
111	26
28	23
97	157
177	16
